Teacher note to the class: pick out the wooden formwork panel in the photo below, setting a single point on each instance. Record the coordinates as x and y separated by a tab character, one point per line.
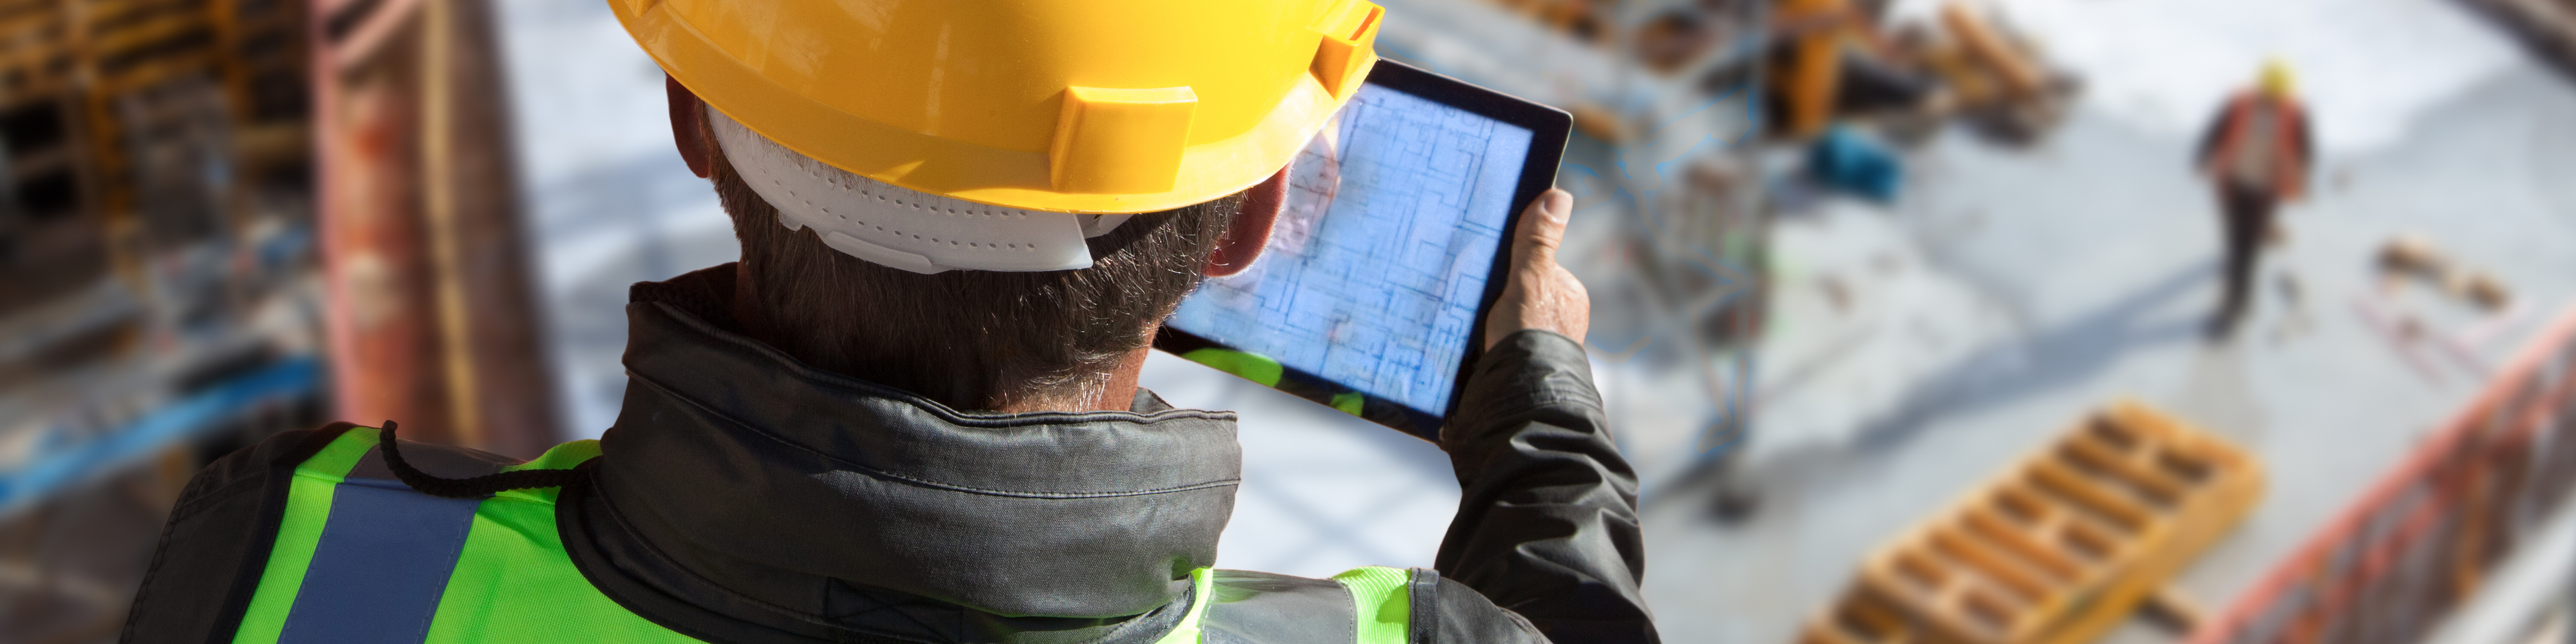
2061	547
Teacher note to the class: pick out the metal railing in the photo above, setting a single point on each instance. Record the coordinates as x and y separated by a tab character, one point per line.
2429	533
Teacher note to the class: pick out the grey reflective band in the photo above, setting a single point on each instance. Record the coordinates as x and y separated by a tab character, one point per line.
381	566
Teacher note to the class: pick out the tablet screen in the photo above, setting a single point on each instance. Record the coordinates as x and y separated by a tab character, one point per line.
1378	262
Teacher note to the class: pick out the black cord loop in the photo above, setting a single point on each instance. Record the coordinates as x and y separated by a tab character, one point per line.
467	488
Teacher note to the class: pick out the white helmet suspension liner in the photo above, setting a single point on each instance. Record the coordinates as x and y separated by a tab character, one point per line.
903	228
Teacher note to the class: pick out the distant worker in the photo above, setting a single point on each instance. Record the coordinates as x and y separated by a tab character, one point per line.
910	413
2257	154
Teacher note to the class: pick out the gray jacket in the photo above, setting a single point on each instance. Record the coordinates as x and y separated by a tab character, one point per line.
745	497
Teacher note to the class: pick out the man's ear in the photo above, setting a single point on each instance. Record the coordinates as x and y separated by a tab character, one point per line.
688	120
1250	231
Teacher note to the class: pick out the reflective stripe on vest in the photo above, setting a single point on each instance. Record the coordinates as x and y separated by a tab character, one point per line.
369	561
362	560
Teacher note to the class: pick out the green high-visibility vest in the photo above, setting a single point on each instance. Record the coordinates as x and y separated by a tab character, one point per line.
496	569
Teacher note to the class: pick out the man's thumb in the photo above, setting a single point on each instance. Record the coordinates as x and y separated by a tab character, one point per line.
1545	227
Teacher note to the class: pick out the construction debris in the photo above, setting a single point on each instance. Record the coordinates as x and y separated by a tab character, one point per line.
2413	256
1837	63
1670	42
2065	545
1599	122
2412	253
1850	162
1581	19
2294	298
1994	78
2480	287
2008	62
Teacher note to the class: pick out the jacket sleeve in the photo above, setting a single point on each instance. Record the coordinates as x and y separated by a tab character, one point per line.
1547	521
217	542
2210	134
2300	135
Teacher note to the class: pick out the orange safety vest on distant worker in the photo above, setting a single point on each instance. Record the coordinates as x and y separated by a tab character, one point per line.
2261	144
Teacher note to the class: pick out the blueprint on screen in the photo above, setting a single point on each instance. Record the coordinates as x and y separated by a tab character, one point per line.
1378	261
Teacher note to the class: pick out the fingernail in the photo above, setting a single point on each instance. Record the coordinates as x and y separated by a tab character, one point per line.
1558	203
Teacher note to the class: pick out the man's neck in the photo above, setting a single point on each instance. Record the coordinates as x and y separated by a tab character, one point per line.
1113	388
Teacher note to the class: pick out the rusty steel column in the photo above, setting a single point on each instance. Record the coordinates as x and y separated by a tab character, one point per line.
433	321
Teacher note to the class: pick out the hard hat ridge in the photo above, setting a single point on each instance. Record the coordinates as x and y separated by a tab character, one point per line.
1088	106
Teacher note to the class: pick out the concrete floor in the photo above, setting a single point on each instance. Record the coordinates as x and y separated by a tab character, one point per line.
2059	278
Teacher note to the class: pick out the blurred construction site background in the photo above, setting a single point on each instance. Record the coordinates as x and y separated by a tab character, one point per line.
1908	312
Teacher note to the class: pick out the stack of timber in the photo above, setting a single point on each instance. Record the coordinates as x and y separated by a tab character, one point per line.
2065	545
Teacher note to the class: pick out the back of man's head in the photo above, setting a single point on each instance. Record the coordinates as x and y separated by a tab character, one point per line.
1013	251
971	339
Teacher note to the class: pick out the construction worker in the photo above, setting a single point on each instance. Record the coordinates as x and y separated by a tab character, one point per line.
910	413
2257	154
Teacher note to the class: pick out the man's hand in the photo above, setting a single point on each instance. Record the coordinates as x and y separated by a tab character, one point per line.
1539	293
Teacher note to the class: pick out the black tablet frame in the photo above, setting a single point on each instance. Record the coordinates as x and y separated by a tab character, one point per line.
1548	128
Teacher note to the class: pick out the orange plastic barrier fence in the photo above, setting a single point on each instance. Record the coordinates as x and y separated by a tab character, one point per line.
2393	564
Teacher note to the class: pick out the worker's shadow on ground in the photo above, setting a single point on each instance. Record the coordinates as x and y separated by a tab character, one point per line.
2018	367
2052	358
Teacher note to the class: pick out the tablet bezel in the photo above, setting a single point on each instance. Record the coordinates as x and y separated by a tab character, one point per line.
1549	128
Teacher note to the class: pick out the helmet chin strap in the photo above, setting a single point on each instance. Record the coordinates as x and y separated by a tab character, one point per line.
902	228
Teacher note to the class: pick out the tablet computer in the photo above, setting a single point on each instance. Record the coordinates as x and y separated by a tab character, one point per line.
1372	294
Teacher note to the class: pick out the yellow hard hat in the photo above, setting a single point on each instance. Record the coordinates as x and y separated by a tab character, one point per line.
2277	79
1068	106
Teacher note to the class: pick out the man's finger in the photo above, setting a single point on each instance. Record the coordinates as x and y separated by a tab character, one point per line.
1543	228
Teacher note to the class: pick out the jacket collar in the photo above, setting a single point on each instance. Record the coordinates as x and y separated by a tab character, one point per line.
777	482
